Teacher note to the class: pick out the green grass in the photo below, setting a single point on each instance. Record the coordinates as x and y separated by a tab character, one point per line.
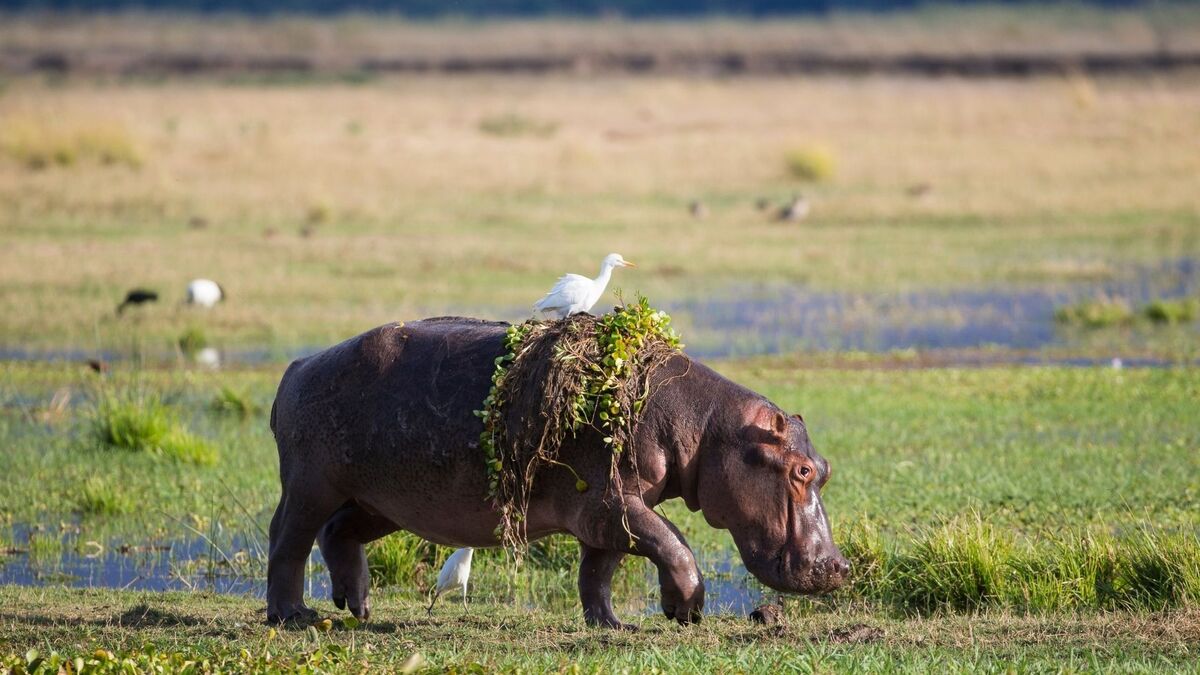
1080	529
172	627
1097	313
1182	310
136	420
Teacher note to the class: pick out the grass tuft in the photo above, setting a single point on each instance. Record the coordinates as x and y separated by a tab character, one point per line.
192	340
39	145
1099	313
141	422
514	124
811	164
960	565
1182	310
230	401
98	497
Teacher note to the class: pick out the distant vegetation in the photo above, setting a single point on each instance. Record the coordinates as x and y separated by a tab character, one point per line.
1109	311
511	8
42	144
810	163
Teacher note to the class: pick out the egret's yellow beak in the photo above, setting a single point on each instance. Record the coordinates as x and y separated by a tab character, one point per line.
628	264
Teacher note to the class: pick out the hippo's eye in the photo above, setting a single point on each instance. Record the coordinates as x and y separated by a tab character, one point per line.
804	471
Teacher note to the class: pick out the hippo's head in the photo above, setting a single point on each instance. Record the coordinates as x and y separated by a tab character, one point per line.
766	490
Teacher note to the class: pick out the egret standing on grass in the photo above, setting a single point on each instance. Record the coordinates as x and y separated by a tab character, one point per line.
575	293
205	293
454	574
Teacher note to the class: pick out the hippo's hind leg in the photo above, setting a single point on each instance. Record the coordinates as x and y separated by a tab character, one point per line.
301	512
341	540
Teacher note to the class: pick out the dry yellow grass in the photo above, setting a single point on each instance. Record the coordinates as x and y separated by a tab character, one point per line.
939	182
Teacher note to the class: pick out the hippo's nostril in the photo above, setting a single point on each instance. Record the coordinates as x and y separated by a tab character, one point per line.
842	566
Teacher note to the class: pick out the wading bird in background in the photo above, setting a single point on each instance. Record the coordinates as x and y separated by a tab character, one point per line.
204	293
454	574
137	296
575	293
795	210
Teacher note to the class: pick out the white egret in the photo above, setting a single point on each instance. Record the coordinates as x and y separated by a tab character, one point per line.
454	574
204	292
575	293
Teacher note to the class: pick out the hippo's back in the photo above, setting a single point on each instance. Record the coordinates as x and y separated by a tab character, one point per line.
400	391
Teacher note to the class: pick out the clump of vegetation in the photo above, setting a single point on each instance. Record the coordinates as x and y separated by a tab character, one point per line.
38	144
192	340
591	372
966	565
1182	310
318	214
143	423
98	497
1101	312
960	566
810	163
513	124
230	401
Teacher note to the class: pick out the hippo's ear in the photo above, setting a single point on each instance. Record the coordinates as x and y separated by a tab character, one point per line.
767	424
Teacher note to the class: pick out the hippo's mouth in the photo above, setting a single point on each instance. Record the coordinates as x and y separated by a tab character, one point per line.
790	570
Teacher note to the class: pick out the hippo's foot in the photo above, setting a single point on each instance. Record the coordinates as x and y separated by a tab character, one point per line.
295	615
359	606
683	606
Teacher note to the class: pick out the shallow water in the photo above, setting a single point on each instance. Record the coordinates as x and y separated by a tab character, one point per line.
758	319
236	568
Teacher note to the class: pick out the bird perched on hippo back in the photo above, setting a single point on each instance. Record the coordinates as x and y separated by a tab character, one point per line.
575	293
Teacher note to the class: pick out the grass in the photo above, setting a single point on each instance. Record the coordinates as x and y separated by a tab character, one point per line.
138	421
1051	564
1182	310
41	144
170	628
453	230
811	164
230	401
514	124
1097	313
100	497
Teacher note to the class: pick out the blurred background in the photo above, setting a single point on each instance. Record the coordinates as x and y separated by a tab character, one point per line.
950	182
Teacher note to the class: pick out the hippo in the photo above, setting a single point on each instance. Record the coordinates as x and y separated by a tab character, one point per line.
378	434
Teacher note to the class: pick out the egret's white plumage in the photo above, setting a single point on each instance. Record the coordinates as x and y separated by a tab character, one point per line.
575	293
204	292
454	574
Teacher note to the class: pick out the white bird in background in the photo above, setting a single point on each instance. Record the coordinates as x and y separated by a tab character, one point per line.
575	293
454	574
205	293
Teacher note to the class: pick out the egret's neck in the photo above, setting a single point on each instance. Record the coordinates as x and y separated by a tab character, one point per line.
605	275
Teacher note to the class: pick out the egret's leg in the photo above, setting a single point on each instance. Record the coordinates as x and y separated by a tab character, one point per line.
464	597
429	609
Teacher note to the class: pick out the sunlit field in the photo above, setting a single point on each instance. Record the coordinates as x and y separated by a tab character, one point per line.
325	209
1017	489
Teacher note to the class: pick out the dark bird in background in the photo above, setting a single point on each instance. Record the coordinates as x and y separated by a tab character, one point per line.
698	210
99	367
762	204
137	296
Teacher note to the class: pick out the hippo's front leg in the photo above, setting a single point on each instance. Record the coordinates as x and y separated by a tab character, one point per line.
659	540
